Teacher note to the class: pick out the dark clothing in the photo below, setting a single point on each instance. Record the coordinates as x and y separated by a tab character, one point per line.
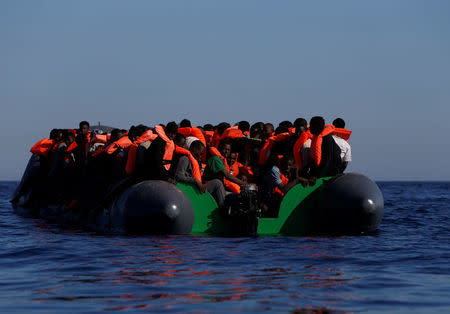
174	164
184	172
154	164
331	163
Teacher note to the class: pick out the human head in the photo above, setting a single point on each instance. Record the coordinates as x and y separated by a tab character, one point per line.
84	127
267	131
225	149
116	134
208	127
171	130
316	125
197	148
281	129
339	123
286	124
256	129
68	138
185	123
54	134
286	164
244	126
180	140
222	127
231	158
300	125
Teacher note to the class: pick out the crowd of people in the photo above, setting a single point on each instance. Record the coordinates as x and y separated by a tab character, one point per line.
86	167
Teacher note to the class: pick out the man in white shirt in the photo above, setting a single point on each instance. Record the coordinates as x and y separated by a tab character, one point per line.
346	150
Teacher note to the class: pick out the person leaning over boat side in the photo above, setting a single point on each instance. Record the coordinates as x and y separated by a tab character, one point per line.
159	154
346	150
185	174
325	154
277	177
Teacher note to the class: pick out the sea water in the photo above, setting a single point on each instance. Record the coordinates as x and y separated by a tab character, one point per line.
403	267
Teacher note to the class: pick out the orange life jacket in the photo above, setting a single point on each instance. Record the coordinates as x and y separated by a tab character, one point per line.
43	147
193	132
264	153
100	138
231	185
316	141
170	146
209	136
124	142
131	160
285	181
230	133
99	150
298	148
342	133
72	147
247	171
316	144
195	166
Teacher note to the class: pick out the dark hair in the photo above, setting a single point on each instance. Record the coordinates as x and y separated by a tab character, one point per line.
244	126
317	124
68	134
196	145
287	124
222	127
115	134
284	161
185	123
222	144
84	123
339	123
300	122
281	129
269	125
179	137
208	127
54	134
171	128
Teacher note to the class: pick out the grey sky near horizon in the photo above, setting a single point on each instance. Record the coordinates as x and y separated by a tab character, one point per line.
383	66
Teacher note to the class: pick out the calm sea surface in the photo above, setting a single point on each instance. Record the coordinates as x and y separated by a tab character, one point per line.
405	267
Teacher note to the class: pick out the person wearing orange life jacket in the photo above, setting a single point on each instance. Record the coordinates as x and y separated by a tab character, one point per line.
217	168
82	141
208	129
188	171
62	171
158	157
268	131
43	151
218	132
276	176
233	163
325	154
180	142
346	150
135	158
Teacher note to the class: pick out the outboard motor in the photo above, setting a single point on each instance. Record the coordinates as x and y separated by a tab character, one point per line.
243	210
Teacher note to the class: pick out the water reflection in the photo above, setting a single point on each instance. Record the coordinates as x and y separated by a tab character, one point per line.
172	272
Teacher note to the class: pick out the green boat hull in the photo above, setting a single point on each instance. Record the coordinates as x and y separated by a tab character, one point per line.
295	215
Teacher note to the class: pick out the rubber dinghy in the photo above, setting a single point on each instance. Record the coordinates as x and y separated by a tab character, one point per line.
349	203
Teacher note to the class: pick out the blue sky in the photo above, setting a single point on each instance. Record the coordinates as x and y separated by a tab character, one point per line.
383	66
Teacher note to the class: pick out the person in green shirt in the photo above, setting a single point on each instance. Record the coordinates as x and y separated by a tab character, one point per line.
215	169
